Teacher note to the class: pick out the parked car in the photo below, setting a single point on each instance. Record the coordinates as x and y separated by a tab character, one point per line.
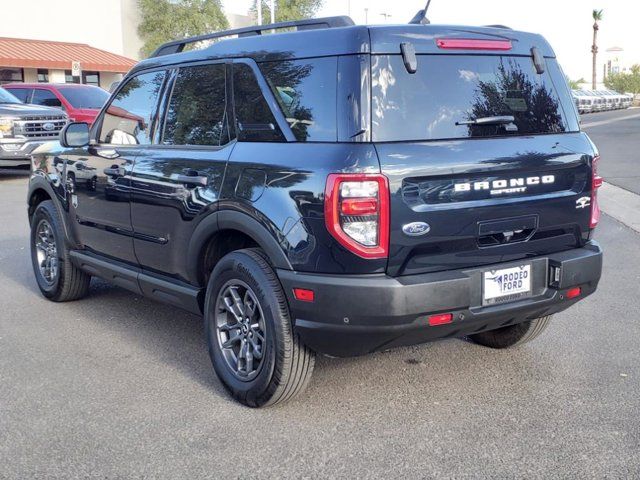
336	189
25	127
584	102
81	102
599	102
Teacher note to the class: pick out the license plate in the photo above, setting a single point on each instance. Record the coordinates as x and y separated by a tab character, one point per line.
506	284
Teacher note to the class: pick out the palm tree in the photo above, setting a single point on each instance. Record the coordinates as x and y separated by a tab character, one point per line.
597	16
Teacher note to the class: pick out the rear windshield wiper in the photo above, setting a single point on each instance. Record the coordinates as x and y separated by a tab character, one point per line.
506	120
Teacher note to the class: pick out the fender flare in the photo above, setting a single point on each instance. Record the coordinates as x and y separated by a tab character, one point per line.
38	182
234	220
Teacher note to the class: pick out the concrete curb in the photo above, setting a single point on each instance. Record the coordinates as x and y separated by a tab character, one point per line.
620	204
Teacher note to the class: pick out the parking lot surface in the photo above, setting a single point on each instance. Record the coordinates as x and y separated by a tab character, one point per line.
119	386
617	135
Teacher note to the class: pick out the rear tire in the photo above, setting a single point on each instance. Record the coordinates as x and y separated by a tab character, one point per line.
58	279
513	335
252	345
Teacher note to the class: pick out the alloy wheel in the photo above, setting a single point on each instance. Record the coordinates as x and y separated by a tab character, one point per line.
240	328
46	252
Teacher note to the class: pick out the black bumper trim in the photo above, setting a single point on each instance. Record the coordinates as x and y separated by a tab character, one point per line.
358	314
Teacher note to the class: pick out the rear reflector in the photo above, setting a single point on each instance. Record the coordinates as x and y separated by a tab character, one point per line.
440	319
303	294
573	292
472	44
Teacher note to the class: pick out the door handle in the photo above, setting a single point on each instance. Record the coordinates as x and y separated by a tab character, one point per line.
114	171
189	176
198	180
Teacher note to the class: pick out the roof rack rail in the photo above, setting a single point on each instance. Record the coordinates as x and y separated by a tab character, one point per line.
177	46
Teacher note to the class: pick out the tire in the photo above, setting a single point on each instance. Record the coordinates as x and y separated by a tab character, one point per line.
65	282
512	335
284	364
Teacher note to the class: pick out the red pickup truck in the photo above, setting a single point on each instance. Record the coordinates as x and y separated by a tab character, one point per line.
81	102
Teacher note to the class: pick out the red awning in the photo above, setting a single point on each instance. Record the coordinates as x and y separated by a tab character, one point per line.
21	53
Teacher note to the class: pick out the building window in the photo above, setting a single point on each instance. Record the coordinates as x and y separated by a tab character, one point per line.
10	75
68	78
43	75
91	78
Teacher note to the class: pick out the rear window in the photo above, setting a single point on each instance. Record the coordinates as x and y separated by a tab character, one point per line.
84	97
306	93
449	90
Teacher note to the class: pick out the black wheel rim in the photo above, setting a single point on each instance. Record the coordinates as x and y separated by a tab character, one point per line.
46	252
240	328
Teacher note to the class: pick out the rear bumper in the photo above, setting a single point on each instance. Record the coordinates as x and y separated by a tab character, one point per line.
354	315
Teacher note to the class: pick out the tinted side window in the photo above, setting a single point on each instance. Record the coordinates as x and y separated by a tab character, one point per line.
20	93
306	93
128	118
254	119
45	98
197	110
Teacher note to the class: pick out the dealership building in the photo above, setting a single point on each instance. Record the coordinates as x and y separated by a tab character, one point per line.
25	60
73	41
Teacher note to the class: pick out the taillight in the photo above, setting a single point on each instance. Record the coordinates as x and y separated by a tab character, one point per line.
596	183
472	44
356	212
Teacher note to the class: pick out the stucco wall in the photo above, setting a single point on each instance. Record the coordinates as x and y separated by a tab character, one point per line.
105	24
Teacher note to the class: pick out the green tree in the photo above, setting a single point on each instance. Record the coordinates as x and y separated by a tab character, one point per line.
287	10
597	16
575	84
625	82
165	20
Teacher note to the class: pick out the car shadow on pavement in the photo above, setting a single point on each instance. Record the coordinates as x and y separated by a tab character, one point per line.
167	334
13	173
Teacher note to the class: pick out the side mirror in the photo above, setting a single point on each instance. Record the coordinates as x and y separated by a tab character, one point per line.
75	135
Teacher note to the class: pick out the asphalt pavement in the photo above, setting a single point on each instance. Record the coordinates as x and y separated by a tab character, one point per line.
118	386
617	136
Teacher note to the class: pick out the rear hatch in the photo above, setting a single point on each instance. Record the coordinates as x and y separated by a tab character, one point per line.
468	194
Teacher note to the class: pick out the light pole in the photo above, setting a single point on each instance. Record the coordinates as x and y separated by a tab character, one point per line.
386	16
259	8
366	16
273	11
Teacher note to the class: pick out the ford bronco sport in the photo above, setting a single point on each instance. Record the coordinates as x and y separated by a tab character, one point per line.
334	189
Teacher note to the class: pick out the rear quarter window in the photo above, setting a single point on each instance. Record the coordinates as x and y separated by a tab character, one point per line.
449	90
306	93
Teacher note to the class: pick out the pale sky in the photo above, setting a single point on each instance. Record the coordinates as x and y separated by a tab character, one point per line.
566	24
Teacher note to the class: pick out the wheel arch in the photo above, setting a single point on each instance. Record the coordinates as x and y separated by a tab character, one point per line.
237	223
40	190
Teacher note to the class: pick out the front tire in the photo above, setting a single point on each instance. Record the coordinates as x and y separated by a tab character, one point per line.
252	345
58	279
513	335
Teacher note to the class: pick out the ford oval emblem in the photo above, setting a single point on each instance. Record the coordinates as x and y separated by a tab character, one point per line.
48	126
416	229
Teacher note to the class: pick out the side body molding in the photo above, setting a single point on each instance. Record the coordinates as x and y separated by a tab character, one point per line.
234	220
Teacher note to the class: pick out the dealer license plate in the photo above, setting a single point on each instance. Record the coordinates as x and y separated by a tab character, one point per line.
506	284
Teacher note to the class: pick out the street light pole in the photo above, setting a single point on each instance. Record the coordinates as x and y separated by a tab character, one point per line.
386	16
273	11
366	16
259	5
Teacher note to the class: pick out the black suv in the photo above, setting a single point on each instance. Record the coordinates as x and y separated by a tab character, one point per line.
337	189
